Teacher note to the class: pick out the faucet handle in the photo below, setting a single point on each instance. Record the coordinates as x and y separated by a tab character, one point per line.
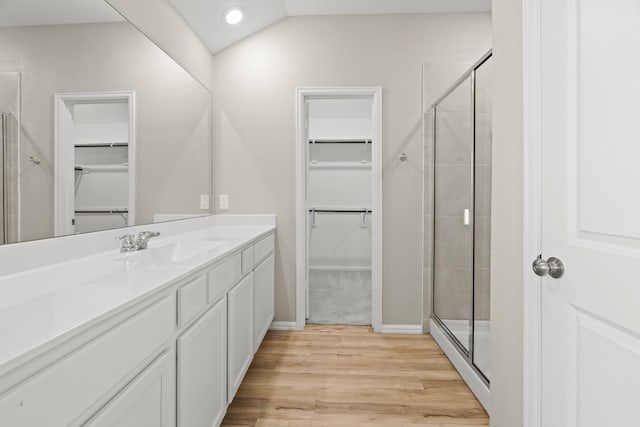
142	240
148	234
128	243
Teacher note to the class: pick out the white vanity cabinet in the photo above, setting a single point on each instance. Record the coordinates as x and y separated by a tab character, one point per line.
175	358
148	401
215	352
251	309
264	294
240	304
202	369
67	391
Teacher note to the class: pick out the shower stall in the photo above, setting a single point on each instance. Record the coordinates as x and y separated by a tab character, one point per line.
458	222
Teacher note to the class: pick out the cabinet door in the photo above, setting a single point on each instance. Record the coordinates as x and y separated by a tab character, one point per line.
91	373
263	299
240	303
202	370
149	400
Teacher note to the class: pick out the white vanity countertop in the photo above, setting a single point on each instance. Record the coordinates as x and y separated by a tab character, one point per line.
41	306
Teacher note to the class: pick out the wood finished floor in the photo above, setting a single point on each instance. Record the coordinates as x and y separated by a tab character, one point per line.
346	376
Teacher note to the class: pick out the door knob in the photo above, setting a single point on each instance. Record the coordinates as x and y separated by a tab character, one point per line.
553	267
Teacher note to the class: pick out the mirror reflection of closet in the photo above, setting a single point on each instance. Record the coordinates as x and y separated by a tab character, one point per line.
95	148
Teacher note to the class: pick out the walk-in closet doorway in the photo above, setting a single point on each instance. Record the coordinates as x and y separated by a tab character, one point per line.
339	206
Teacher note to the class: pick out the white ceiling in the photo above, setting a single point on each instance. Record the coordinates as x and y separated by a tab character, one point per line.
17	13
206	16
375	7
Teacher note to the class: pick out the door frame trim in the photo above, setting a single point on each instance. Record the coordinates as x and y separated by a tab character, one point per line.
532	86
64	154
302	94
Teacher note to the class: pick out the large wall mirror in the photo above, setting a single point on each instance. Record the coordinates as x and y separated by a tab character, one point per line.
100	128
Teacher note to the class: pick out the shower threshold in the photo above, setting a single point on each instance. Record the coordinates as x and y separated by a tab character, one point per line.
470	376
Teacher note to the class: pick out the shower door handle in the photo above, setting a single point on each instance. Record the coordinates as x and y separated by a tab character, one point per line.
553	267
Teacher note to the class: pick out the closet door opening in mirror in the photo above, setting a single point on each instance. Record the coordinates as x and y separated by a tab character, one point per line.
95	161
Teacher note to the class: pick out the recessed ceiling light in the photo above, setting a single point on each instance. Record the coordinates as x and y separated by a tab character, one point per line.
233	15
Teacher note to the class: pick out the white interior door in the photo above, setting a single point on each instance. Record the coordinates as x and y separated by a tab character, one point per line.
590	317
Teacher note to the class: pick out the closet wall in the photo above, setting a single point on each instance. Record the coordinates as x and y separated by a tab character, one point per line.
339	190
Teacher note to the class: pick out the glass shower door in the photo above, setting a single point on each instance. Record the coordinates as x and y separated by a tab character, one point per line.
482	217
453	215
3	163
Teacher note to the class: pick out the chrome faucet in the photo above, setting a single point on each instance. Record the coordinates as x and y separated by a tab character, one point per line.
131	243
142	240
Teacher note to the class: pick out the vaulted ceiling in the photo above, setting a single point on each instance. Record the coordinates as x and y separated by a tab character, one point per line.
206	17
16	13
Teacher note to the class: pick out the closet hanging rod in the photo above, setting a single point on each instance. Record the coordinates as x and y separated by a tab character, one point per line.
98	167
339	141
102	211
340	210
102	145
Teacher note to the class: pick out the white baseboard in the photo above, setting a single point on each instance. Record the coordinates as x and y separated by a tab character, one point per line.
278	325
477	386
401	329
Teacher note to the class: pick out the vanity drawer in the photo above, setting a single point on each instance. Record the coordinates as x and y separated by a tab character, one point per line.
247	260
192	298
263	248
223	276
62	392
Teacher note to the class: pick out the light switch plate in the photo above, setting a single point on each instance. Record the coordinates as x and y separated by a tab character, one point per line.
204	201
224	201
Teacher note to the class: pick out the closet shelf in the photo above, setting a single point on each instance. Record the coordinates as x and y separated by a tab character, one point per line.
339	165
339	141
102	211
101	144
340	267
340	210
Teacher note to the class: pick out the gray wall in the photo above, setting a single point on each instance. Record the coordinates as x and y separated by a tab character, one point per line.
506	249
173	144
254	83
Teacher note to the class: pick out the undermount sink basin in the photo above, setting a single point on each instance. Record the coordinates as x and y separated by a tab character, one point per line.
175	252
